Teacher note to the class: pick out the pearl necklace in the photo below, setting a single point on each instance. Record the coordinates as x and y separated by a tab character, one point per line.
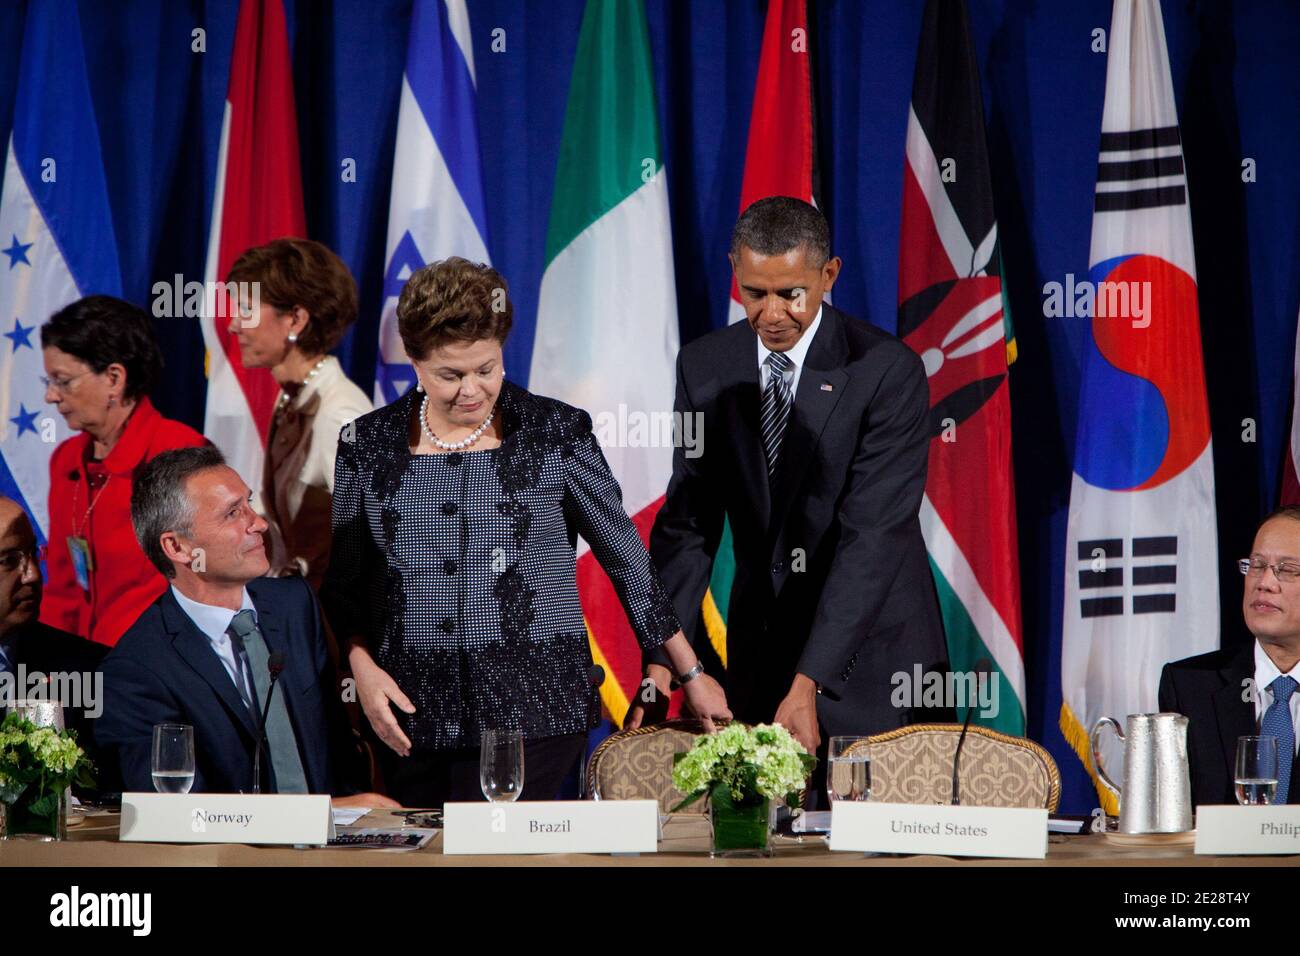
465	442
284	396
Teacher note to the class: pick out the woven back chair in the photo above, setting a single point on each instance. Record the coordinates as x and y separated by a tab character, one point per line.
638	764
914	765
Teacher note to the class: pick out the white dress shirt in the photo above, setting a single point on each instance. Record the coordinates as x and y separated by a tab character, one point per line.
213	622
797	353
1265	673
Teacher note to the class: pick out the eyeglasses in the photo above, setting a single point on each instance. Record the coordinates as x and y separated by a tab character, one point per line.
18	560
61	385
1286	573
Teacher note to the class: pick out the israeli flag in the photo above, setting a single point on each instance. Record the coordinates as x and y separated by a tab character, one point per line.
56	239
437	208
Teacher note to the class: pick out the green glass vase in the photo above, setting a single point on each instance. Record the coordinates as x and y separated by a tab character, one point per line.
740	829
37	815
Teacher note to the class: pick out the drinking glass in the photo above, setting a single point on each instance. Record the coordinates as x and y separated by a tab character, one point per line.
1256	776
848	772
501	765
173	758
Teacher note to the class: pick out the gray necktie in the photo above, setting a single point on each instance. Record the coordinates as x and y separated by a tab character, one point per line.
283	745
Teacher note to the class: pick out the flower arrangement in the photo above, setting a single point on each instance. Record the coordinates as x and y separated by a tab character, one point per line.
742	770
747	765
37	765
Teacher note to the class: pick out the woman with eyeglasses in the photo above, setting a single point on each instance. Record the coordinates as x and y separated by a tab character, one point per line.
101	360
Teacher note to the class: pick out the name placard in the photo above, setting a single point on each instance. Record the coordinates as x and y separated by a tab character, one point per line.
226	818
939	829
1227	830
552	826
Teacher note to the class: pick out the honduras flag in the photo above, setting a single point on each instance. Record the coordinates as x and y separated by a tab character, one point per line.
1141	582
437	208
56	239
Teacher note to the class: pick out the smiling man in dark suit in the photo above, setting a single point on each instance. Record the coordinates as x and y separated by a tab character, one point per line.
816	436
202	653
1247	690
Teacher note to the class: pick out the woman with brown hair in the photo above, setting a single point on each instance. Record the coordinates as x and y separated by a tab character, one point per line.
307	299
453	587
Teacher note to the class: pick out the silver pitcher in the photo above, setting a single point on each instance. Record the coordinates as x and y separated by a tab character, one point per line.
41	712
1157	792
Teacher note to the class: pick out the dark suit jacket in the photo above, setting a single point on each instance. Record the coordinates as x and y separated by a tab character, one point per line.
844	509
164	670
47	650
1208	691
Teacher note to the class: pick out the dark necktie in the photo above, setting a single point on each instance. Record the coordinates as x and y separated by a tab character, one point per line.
776	408
1277	723
280	739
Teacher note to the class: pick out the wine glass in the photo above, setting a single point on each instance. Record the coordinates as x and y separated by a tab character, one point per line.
501	765
1256	776
848	772
173	758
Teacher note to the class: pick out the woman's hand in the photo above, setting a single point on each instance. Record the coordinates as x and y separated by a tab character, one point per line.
375	691
650	704
707	701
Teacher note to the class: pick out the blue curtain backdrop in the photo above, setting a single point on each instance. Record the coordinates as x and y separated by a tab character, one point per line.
1236	77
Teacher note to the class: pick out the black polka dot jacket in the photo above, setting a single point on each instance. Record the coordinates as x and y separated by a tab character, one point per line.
458	571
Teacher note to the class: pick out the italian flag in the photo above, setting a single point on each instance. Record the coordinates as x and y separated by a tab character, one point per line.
606	336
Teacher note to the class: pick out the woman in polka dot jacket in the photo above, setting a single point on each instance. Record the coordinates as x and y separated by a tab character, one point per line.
452	584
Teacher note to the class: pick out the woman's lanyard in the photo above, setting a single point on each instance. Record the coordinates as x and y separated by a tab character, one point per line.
78	545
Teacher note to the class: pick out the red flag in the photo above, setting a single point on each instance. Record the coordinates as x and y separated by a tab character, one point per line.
779	156
258	197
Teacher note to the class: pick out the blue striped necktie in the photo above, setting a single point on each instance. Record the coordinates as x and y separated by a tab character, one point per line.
1277	723
776	408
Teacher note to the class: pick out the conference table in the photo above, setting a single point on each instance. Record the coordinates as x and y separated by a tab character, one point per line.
685	842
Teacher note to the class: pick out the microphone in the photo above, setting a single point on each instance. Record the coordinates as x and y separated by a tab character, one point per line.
274	667
983	664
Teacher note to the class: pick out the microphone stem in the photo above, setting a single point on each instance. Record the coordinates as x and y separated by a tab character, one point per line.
261	736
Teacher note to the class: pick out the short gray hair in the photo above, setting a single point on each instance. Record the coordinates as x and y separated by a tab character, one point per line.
158	500
777	224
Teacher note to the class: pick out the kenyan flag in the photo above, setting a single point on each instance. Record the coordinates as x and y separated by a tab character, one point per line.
952	312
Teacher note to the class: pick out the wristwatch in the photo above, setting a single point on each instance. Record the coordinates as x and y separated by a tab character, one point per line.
689	676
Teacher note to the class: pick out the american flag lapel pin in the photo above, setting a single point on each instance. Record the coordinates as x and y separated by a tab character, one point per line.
827	387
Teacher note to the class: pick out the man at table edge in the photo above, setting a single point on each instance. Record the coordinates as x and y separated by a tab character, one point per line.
1247	690
193	656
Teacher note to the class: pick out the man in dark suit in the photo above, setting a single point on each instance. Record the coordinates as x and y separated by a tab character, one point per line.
202	654
29	648
1251	689
816	436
